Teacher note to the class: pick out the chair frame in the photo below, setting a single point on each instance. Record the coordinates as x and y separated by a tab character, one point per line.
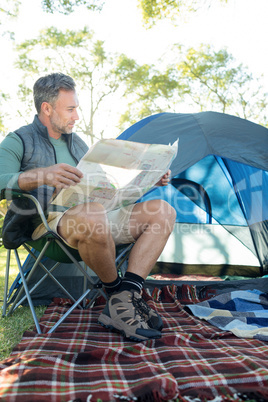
91	293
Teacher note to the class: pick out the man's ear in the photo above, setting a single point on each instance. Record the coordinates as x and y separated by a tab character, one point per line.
46	108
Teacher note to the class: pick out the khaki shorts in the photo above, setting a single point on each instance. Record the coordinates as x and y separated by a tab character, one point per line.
118	220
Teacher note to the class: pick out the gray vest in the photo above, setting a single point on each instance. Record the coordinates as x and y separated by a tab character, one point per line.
38	152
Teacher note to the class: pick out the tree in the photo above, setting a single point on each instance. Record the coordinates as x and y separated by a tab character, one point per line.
4	97
155	10
68	6
202	79
8	9
216	82
152	10
147	89
78	54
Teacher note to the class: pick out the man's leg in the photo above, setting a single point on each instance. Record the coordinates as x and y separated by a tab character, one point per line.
86	228
150	225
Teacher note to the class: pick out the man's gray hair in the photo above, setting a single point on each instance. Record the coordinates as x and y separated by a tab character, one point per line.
46	89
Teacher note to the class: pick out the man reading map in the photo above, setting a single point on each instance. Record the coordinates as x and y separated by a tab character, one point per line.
43	157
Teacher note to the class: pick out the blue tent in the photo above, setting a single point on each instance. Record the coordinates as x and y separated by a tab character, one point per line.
221	172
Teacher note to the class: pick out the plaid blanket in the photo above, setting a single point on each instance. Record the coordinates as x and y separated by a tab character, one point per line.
82	361
244	313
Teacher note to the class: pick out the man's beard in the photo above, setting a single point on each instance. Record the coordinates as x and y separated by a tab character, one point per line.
61	129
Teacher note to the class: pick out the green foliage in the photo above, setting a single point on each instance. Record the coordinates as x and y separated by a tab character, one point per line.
9	8
216	82
131	73
152	10
52	38
68	6
79	54
204	79
148	90
4	98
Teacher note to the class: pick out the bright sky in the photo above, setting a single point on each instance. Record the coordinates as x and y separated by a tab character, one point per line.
240	26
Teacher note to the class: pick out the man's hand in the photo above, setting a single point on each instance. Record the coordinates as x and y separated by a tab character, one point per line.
62	176
59	176
164	179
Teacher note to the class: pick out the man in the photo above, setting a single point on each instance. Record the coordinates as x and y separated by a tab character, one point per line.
40	158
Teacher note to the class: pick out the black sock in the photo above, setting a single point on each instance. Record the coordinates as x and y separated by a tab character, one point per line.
112	287
132	282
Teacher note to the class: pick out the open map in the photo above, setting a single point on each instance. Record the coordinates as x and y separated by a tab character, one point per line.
117	173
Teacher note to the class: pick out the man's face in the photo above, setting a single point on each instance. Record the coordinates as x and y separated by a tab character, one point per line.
64	112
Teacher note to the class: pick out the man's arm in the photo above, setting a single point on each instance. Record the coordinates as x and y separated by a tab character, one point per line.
59	176
11	151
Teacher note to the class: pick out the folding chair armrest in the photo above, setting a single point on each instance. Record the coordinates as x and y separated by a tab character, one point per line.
9	194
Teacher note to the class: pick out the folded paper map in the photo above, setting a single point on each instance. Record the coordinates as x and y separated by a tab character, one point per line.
117	173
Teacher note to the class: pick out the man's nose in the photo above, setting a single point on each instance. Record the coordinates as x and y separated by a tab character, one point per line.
75	115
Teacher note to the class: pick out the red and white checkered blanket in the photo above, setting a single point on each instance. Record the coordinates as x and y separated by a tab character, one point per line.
82	361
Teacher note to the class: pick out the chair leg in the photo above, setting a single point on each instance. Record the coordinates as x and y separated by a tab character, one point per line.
28	294
48	273
18	300
91	293
84	287
15	302
78	301
6	283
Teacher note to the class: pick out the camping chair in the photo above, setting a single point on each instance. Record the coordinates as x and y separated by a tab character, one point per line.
52	246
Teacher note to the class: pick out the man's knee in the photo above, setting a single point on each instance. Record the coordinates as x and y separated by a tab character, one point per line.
158	214
163	214
158	209
88	222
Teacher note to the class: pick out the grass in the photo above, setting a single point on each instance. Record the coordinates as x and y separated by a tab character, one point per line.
13	326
